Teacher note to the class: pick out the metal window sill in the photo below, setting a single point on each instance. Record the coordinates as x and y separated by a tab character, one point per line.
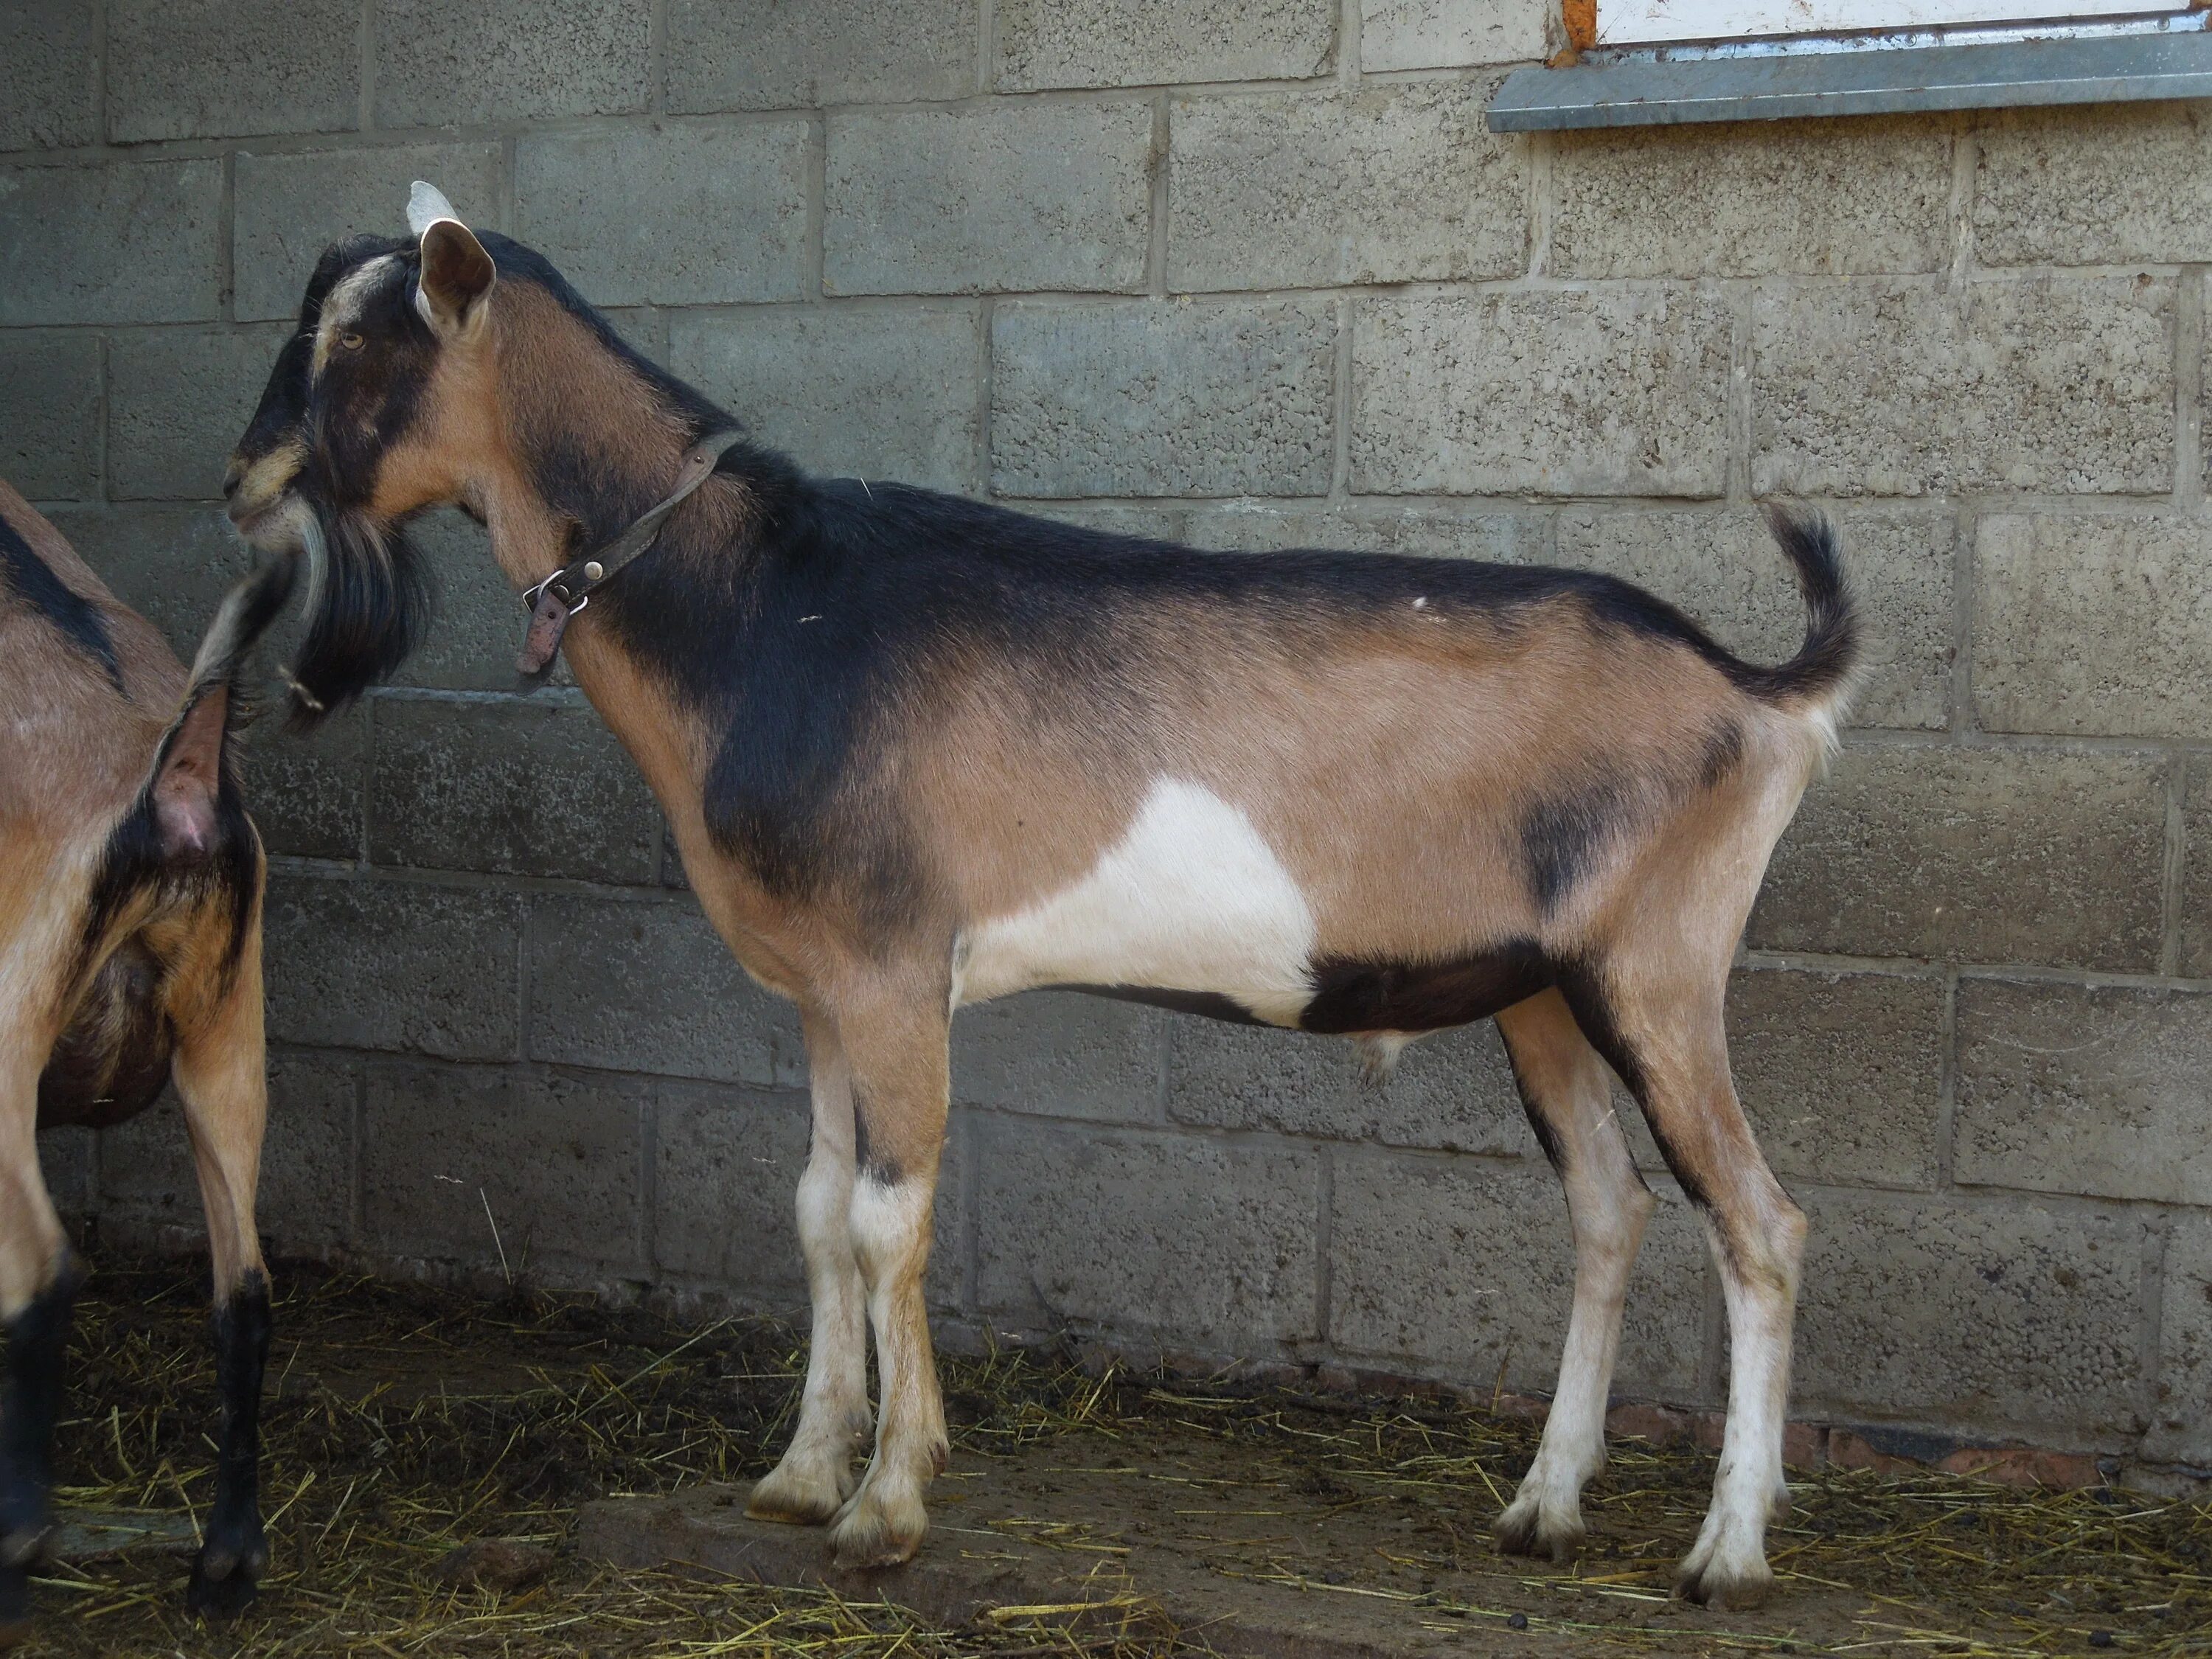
1641	93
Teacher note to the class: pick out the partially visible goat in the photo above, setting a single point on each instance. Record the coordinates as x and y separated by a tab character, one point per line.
130	883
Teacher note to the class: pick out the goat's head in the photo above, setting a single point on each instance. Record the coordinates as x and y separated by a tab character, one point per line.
377	408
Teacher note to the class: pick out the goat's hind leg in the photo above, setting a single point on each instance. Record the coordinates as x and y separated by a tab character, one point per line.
1668	1044
1568	1095
815	1477
222	1074
38	1286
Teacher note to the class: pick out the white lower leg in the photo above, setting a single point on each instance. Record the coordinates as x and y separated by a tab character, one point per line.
1727	1566
890	1232
1611	1208
815	1476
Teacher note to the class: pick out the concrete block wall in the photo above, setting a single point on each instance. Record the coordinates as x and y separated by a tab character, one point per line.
1256	275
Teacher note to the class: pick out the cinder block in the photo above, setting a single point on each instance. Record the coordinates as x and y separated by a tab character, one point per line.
1220	398
2196	918
2062	385
307	1197
508	60
533	788
178	401
478	624
306	793
1722	568
50	415
726	1163
111	242
66	1163
2097	1089
48	84
1466	1266
860	391
1403	35
1131	43
211	69
1753	198
2181	1428
982	199
2097	186
1391	184
552	1163
727	1167
1499	537
1062	1055
693	213
828	52
1840	1074
1452	1090
170	564
304	1204
291	207
1928	852
2021	1315
1147	520
651	987
402	966
1601	391
2092	626
1193	1239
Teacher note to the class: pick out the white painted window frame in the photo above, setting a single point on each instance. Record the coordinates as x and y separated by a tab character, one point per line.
1667	22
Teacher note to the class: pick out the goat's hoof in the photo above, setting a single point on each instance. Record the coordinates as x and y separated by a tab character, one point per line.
1525	1529
800	1497
869	1532
1723	1587
226	1578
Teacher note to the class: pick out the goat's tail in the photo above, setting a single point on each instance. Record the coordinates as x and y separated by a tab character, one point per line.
1826	666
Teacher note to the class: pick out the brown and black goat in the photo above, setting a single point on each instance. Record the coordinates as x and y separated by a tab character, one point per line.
131	884
919	751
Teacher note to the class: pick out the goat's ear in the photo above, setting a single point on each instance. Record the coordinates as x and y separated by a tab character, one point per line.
189	773
457	278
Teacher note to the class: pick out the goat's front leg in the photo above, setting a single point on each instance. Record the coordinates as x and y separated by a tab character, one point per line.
1568	1095
897	1042
38	1286
221	1071
816	1475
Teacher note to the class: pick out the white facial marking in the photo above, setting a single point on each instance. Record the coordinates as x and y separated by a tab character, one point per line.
1191	898
343	308
426	206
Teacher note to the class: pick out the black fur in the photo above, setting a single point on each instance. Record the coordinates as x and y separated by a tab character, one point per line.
1562	834
1353	996
883	1171
30	1402
234	1551
77	618
1724	754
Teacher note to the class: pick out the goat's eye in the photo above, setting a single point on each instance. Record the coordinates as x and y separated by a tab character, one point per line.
350	342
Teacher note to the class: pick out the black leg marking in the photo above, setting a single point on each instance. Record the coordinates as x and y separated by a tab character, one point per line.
1586	997
30	1400
1555	1151
235	1551
883	1171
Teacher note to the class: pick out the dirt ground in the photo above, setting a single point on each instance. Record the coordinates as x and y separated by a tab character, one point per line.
406	1421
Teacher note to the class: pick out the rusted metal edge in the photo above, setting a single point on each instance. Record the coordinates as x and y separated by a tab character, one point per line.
1640	92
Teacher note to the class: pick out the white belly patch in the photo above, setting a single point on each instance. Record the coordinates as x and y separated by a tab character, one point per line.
1191	899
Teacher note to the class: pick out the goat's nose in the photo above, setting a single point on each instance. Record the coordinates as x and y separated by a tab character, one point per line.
232	475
